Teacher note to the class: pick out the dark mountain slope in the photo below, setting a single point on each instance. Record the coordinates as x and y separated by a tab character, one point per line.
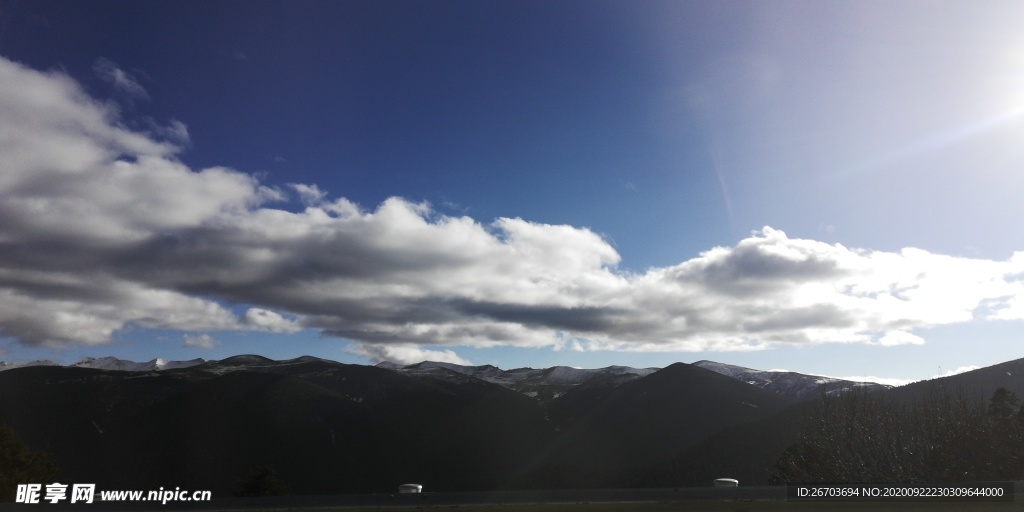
82	416
327	427
980	383
324	427
791	384
611	433
441	416
748	452
543	384
216	431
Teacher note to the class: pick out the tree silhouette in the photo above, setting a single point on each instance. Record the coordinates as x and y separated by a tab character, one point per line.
1003	404
263	481
941	437
19	465
1006	437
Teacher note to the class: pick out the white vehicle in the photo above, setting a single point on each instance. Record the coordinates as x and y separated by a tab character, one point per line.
410	488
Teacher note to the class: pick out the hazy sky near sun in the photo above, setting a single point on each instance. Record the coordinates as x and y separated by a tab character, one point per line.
827	187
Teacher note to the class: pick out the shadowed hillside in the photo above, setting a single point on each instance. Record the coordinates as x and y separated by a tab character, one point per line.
611	433
323	427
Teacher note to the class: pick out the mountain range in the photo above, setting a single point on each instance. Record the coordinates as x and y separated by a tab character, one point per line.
327	427
543	384
520	379
110	363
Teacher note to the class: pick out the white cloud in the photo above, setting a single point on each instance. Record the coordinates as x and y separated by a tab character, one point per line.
176	131
880	380
119	79
902	382
58	310
270	321
309	194
405	354
103	228
894	338
199	341
958	371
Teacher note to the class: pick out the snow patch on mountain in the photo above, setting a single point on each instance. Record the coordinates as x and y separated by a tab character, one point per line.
736	372
108	363
792	384
164	364
113	363
10	365
542	384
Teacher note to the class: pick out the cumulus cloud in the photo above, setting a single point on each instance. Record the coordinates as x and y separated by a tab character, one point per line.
102	228
405	354
124	82
199	341
270	321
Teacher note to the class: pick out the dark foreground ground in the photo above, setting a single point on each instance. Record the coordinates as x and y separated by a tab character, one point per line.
604	500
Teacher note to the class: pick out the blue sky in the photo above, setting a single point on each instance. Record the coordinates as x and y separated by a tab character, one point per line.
825	187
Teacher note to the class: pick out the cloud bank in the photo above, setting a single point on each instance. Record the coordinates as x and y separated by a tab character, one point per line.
103	228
